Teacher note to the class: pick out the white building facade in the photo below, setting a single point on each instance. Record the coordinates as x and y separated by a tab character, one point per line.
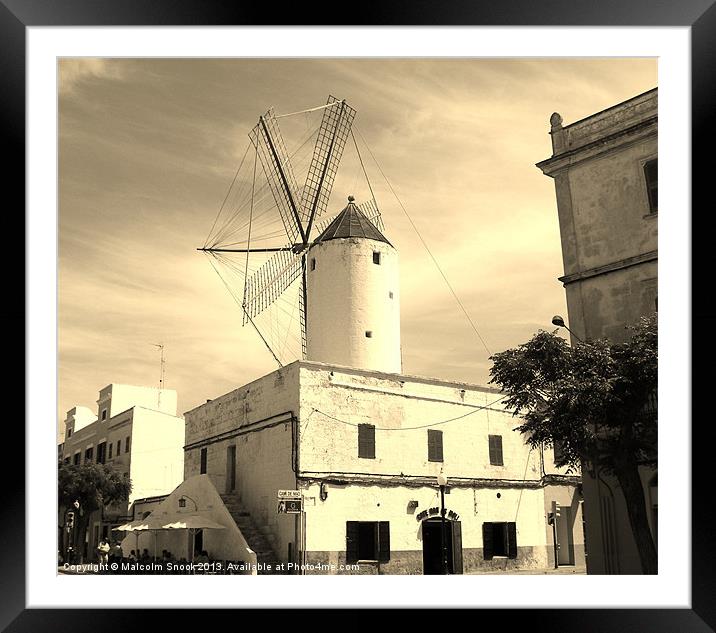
365	448
135	431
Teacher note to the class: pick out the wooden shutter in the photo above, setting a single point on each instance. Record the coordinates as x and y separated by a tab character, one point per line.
383	541
487	534
456	547
651	173
366	441
435	446
511	540
351	542
496	450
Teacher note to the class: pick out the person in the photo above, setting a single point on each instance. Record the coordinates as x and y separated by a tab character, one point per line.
132	556
103	552
115	553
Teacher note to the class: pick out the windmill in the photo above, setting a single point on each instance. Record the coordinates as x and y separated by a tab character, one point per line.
300	210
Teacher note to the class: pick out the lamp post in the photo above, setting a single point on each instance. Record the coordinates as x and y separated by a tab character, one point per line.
70	518
192	533
442	482
559	322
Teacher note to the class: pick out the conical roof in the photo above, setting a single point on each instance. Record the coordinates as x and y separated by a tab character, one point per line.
351	222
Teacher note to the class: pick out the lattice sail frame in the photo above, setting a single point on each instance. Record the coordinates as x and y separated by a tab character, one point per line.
332	137
274	277
272	153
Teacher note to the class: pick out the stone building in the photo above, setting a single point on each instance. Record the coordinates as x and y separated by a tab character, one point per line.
135	431
364	444
606	182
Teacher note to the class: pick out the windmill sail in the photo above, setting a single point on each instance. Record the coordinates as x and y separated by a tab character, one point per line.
267	221
332	136
270	281
271	149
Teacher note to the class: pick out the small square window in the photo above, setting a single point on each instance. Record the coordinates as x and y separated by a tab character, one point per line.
368	334
376	257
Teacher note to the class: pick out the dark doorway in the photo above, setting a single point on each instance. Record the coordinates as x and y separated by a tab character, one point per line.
198	542
433	547
231	468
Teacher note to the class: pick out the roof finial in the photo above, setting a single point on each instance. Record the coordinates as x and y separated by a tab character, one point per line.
351	198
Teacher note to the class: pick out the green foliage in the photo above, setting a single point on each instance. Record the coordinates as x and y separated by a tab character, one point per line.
597	400
93	485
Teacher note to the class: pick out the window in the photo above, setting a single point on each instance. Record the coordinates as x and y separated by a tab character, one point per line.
126	444
313	263
369	334
558	449
119	447
390	294
67	460
651	173
89	454
104	414
435	446
499	539
367	541
202	465
76	459
111	446
495	450
376	257
102	453
69	432
366	441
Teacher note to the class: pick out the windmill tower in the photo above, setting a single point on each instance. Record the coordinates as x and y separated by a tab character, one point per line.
348	275
353	315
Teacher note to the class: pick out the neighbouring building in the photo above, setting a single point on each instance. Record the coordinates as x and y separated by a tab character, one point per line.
606	182
365	443
135	431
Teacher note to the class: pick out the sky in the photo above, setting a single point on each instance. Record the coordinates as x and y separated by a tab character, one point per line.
148	148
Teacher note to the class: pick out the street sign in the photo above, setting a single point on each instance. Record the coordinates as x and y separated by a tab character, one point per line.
289	494
290	506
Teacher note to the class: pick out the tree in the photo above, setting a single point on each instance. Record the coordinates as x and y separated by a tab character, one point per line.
597	401
94	486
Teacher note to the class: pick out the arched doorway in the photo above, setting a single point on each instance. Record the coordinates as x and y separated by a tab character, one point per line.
433	544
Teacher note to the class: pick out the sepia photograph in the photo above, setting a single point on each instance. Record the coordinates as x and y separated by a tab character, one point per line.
357	316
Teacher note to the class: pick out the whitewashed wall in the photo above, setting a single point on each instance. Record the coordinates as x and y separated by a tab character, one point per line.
349	295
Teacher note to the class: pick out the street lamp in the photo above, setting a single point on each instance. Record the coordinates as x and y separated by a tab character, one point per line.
559	322
442	483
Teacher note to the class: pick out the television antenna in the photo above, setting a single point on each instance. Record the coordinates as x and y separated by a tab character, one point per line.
162	362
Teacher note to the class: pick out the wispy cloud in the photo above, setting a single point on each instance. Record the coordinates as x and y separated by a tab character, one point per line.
148	148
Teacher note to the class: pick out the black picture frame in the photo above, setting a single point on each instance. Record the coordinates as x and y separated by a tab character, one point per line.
700	15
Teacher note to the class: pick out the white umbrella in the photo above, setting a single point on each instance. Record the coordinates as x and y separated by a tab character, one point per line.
193	522
141	525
